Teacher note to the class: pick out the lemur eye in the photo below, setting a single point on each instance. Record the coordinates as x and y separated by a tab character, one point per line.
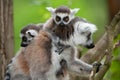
82	33
66	19
88	36
58	18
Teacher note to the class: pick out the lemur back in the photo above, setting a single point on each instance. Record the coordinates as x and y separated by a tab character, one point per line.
42	59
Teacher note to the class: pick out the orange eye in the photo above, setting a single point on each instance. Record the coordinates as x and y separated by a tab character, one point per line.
66	19
58	18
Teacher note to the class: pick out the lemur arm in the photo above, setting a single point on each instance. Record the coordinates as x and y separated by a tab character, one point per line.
79	67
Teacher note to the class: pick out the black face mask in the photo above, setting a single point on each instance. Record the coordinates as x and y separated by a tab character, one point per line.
90	46
24	42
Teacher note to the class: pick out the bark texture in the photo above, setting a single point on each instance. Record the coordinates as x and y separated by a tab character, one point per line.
6	34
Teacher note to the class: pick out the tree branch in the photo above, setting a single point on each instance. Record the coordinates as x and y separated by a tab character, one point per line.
106	42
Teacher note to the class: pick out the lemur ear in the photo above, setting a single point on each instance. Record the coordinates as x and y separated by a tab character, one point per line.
50	9
74	11
32	33
90	27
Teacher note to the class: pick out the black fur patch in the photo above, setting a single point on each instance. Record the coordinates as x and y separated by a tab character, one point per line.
7	74
65	32
63	65
30	26
62	9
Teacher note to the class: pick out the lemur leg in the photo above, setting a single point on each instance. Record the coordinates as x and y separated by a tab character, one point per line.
79	67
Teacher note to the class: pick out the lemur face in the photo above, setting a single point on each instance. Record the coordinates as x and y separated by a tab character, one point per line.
62	15
28	33
28	37
86	40
83	35
62	19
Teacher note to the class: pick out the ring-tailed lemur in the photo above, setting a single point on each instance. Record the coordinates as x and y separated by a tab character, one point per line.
18	68
71	31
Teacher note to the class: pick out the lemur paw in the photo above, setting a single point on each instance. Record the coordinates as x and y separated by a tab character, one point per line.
97	66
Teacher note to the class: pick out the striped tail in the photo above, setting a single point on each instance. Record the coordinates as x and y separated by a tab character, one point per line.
7	74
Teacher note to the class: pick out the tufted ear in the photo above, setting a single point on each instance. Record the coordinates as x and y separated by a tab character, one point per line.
50	9
74	11
32	33
85	27
88	27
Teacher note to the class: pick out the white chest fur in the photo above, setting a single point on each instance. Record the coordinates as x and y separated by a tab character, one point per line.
55	66
55	58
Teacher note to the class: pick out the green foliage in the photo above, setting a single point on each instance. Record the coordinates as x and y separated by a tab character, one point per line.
115	67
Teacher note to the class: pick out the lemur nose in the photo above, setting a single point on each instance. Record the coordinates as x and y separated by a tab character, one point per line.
62	24
90	46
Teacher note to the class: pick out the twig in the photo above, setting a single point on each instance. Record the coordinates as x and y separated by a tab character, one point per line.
110	37
93	72
104	68
117	30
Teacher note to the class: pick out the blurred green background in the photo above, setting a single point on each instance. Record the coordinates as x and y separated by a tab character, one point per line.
34	11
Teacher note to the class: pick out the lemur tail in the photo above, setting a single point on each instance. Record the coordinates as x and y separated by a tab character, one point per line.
7	74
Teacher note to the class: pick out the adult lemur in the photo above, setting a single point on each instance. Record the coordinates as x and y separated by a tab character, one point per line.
64	24
44	62
71	31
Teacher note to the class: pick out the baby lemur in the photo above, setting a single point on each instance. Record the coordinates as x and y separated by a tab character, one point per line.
18	69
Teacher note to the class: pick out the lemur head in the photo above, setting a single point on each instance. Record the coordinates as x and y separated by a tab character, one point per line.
83	34
62	15
28	33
